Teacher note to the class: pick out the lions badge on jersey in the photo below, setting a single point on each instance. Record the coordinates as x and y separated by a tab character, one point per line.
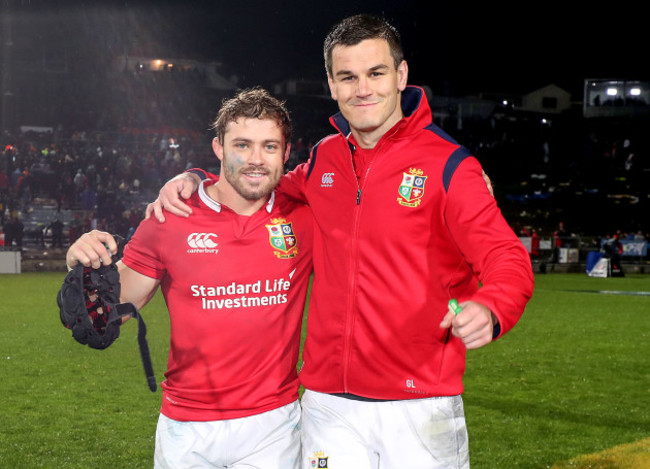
318	460
411	189
282	238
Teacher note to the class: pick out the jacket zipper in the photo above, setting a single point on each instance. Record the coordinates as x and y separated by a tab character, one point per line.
350	317
354	260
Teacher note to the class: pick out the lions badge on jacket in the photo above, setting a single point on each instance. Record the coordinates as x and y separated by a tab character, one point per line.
411	189
282	238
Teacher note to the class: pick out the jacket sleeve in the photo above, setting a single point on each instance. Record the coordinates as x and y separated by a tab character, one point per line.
202	173
294	182
490	247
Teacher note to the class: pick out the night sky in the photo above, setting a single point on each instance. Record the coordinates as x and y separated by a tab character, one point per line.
452	47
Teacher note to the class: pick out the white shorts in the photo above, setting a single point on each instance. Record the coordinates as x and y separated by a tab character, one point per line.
270	440
340	433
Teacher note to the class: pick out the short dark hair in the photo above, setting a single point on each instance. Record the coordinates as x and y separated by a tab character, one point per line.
253	103
354	29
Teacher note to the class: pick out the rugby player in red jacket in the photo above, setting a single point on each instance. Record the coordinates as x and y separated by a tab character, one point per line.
405	222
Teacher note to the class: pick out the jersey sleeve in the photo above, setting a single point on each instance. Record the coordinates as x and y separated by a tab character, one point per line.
490	246
142	253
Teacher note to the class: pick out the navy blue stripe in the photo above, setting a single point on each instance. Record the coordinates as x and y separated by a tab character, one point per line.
312	162
455	159
440	133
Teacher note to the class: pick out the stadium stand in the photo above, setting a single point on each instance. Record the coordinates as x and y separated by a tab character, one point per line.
100	166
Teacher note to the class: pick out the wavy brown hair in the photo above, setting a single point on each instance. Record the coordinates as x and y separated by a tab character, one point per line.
253	103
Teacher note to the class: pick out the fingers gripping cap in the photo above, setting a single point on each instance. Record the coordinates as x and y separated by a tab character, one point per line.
89	306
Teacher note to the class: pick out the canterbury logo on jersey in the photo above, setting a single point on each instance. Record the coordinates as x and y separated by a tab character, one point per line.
202	242
327	180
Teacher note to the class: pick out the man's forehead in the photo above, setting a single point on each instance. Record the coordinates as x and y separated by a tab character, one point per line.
367	53
252	128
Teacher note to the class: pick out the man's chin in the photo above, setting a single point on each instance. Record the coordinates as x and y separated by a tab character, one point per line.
253	195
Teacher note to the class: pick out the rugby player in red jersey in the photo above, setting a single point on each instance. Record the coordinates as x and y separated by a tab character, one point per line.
234	278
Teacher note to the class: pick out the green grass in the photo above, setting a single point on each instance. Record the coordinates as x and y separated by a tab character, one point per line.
571	379
64	405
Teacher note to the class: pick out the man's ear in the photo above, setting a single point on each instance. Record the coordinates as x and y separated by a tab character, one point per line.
217	148
287	152
332	85
402	75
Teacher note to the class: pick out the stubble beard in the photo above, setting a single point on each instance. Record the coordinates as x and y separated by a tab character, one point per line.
249	190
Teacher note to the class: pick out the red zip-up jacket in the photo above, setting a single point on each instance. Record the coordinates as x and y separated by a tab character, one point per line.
391	249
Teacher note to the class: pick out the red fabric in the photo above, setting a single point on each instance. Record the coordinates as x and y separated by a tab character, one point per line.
230	356
386	267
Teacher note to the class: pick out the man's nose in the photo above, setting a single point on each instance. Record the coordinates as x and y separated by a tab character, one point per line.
363	86
255	157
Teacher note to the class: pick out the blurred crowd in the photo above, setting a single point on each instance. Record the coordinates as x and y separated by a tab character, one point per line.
104	180
107	158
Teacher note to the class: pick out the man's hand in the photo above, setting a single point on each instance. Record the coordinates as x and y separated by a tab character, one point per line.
473	325
92	250
185	184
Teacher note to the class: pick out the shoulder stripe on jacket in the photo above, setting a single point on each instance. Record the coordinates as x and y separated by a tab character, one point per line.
440	133
454	160
312	160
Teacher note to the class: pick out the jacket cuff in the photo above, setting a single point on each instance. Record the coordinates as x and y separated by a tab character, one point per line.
203	175
496	329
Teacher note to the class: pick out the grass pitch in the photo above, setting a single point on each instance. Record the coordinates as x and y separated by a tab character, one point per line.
572	378
569	386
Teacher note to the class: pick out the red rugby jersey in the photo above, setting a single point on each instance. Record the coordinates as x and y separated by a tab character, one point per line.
235	288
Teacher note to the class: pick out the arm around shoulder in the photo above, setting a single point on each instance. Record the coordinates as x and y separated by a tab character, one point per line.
171	195
293	183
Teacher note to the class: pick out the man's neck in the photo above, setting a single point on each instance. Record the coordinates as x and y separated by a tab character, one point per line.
366	140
